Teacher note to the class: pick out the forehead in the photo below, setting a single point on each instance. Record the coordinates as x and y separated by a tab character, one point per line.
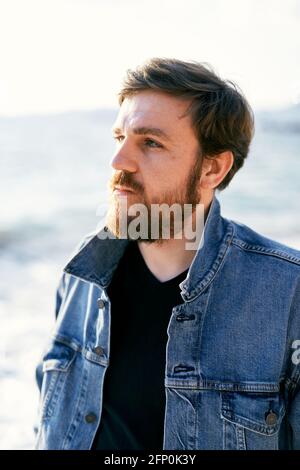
154	108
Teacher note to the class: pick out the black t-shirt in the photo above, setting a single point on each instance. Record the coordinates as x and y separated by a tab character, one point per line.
134	395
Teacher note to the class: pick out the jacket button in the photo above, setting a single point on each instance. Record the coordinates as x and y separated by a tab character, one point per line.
90	418
271	418
98	350
100	303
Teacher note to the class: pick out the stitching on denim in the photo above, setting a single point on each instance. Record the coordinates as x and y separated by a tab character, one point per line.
265	251
217	265
196	384
240	437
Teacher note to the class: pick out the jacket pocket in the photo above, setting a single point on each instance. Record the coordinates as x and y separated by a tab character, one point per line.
251	420
55	366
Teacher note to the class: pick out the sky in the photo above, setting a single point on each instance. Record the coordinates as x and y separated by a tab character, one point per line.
63	55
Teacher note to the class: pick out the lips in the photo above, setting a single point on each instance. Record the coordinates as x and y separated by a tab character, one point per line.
123	189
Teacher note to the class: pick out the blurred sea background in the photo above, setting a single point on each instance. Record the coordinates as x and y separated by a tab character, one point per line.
54	172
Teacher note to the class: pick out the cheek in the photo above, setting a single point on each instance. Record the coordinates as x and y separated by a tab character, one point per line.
159	180
163	183
164	174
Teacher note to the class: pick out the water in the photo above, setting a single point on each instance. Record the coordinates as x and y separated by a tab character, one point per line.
54	172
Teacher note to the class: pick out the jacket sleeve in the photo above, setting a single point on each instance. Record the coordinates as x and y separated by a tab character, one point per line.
39	367
60	293
58	300
294	419
293	410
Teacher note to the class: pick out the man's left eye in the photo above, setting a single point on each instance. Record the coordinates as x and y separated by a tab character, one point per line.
152	143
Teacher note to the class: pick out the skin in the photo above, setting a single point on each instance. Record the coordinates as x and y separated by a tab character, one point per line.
156	164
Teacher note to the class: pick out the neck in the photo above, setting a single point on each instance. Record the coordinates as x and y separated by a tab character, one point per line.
168	259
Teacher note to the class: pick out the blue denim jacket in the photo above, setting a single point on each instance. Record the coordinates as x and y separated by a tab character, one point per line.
232	374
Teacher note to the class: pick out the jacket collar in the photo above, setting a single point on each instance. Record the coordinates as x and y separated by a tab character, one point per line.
213	247
99	257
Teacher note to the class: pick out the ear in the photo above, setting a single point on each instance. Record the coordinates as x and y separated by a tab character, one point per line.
214	169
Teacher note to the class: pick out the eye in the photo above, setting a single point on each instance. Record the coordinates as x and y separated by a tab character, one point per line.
148	142
152	143
118	138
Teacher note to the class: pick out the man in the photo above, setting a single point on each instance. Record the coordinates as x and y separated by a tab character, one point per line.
157	345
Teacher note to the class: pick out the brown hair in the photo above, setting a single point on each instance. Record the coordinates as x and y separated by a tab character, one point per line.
221	116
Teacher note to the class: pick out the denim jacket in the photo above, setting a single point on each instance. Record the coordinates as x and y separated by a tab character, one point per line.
232	373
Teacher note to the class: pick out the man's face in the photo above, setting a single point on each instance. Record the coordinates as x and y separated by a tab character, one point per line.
157	154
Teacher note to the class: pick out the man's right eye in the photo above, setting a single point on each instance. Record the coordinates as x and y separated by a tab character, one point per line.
118	138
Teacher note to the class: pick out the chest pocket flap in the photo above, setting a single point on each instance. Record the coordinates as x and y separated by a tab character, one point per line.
258	412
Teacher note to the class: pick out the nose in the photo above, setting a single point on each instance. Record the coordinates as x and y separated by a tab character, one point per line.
123	159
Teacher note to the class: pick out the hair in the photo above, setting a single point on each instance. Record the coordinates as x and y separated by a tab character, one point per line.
221	116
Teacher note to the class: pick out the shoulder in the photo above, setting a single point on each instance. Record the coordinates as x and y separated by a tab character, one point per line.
66	278
250	241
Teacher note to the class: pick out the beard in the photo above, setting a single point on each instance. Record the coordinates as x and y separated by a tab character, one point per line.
168	223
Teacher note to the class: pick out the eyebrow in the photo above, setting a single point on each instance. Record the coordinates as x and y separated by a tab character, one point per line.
144	131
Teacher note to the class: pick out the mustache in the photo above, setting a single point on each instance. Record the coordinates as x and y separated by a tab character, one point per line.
124	178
